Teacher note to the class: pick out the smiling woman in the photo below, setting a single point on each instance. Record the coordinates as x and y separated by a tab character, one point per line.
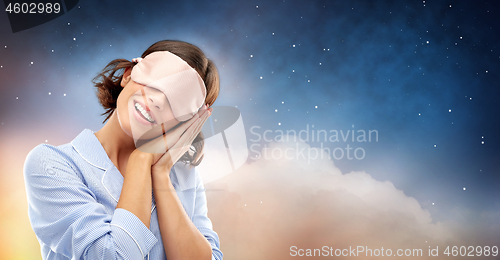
129	190
186	57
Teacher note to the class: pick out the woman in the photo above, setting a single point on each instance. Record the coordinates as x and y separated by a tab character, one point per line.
129	190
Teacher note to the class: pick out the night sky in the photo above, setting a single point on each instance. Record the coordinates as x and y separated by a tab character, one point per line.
424	74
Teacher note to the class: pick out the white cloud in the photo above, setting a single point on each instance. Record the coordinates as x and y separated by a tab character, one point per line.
269	205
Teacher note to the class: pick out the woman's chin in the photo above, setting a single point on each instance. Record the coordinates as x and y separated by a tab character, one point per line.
147	134
142	136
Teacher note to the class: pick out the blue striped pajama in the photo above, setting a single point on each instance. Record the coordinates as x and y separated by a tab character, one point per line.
72	193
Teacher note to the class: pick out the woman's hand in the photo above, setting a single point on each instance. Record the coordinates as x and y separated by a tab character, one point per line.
173	154
167	149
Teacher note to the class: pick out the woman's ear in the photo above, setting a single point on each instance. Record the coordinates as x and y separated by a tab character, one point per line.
126	77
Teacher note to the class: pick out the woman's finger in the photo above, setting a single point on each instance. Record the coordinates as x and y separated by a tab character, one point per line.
173	136
162	143
185	141
184	126
193	131
199	126
183	144
177	142
170	155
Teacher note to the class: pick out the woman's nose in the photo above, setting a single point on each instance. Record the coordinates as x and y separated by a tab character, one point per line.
157	101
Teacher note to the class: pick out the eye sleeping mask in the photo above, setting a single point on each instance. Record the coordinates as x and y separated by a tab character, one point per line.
168	73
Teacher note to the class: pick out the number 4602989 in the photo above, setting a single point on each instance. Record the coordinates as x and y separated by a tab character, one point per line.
33	8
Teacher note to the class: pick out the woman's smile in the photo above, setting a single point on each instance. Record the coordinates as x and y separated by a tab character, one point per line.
143	114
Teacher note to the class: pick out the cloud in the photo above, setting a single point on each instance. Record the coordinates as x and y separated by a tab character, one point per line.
269	205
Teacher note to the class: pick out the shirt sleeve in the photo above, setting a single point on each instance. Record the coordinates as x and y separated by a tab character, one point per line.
201	220
66	216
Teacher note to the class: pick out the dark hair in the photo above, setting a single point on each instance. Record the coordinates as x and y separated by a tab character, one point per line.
107	83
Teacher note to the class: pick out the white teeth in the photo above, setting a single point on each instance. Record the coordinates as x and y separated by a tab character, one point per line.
144	112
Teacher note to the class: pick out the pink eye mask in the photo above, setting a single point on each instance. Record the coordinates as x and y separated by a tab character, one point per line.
181	84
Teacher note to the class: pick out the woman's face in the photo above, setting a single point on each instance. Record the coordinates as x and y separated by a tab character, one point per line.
143	112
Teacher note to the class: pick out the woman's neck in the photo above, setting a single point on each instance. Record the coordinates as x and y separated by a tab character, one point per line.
117	144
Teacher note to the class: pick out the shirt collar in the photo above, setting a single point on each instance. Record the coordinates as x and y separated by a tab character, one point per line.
91	150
